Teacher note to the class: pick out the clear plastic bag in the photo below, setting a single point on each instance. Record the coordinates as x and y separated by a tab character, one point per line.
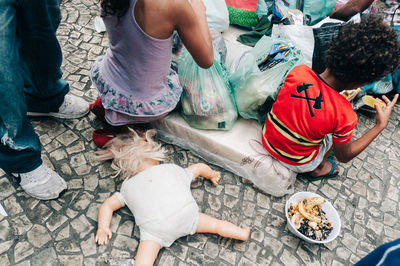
259	78
207	101
217	14
313	10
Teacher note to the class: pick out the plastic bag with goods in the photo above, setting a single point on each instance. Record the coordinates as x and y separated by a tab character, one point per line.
261	74
207	100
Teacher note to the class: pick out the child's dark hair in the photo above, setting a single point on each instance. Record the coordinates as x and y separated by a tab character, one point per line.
363	52
114	8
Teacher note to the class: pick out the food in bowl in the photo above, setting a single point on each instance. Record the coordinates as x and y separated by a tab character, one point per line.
309	219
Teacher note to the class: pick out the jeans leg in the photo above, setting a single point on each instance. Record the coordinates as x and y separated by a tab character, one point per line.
19	146
41	54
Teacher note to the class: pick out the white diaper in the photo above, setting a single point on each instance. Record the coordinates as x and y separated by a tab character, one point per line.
166	231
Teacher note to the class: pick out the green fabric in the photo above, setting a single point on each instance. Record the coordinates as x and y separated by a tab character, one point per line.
242	17
264	27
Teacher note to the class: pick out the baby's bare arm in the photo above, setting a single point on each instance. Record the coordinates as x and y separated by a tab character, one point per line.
201	169
104	219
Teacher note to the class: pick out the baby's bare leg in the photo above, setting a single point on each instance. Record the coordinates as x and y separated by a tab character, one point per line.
147	253
208	224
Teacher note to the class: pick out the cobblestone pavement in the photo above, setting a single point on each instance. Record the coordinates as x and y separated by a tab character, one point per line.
61	232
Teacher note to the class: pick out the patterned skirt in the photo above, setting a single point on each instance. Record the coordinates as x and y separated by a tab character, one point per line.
119	101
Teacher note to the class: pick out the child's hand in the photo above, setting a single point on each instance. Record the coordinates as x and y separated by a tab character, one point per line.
383	114
214	177
103	235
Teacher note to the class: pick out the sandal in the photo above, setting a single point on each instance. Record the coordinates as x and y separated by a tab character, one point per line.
329	175
98	110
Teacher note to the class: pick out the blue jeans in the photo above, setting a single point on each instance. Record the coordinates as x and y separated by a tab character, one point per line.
385	255
30	77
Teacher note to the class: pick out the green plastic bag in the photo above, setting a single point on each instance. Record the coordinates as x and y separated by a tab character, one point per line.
242	17
207	101
261	74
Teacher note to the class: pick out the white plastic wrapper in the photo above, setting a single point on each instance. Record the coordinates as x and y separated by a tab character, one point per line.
239	151
99	25
217	14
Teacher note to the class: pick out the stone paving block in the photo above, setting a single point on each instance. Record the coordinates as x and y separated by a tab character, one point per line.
289	259
6	188
197	258
197	241
63	233
230	202
228	255
116	218
82	226
273	245
22	250
211	249
38	236
305	257
166	259
45	257
126	228
20	224
71	260
178	250
5	245
89	246
67	246
71	213
389	219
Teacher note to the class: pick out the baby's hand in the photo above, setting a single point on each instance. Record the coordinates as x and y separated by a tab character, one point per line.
103	235
214	177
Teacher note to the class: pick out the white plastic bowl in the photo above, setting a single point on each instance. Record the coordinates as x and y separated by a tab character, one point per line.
331	215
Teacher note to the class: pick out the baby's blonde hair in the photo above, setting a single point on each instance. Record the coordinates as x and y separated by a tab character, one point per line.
128	151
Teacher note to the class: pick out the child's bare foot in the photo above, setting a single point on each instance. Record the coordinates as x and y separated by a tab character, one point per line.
325	168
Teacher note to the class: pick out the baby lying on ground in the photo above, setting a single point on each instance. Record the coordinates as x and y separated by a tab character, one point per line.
158	195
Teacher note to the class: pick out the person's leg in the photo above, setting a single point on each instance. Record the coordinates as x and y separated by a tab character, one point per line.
208	224
20	147
325	167
320	165
41	55
147	252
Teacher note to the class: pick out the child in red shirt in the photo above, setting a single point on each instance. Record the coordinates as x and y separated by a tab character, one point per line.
310	117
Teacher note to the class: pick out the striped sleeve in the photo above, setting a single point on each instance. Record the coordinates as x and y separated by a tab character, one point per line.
344	131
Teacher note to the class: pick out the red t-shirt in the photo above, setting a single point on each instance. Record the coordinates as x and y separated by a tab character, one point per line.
306	109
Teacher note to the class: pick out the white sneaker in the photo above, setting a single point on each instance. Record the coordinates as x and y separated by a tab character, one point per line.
42	183
72	107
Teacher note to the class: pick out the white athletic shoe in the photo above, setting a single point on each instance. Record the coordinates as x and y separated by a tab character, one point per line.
72	107
42	183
